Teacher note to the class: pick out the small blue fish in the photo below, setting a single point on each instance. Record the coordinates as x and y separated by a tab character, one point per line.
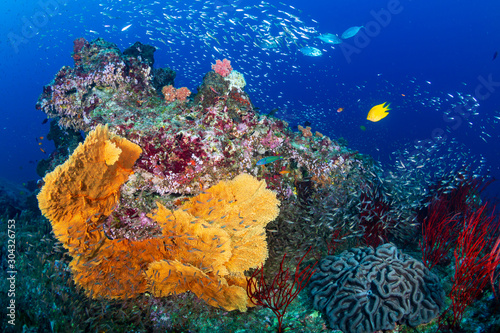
311	51
269	159
330	38
351	32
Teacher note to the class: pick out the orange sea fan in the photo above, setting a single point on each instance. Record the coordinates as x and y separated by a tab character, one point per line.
86	185
194	241
244	208
205	246
77	196
173	277
233	214
115	268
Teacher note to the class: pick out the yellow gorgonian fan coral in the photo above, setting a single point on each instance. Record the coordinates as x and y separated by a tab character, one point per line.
77	196
87	184
205	246
219	234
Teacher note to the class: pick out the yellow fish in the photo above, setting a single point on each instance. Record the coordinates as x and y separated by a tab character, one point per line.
378	112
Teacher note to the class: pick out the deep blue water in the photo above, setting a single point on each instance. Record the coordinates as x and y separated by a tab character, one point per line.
450	44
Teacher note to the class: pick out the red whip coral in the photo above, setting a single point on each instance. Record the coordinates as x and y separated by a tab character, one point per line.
374	217
223	68
439	233
476	259
445	216
283	289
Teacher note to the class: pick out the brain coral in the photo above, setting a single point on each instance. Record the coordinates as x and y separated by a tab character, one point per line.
365	290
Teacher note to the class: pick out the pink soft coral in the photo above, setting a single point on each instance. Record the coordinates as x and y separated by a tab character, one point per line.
182	93
223	68
171	94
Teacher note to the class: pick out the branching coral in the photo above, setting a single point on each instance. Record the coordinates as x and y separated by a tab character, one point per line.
205	246
278	294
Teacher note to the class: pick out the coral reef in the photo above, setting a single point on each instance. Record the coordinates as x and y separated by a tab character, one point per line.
365	290
177	224
102	77
163	216
187	146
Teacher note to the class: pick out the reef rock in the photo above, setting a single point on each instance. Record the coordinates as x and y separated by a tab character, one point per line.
188	143
365	290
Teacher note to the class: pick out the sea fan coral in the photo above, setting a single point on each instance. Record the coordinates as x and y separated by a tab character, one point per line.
205	246
87	184
219	234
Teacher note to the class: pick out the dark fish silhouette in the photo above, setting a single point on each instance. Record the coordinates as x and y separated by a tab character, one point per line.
45	121
273	112
495	55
